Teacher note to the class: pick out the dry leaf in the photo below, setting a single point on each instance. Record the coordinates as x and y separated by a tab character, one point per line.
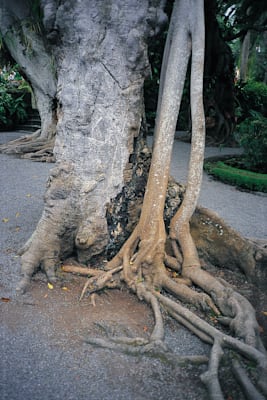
264	313
5	220
5	299
17	228
17	214
50	286
145	328
65	288
28	195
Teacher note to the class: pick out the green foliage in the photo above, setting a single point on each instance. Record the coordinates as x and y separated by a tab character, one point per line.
238	177
13	108
252	136
252	95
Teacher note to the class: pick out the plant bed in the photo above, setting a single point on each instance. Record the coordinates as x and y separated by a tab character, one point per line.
232	170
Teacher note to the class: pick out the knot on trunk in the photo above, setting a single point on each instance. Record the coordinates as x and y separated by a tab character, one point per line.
91	238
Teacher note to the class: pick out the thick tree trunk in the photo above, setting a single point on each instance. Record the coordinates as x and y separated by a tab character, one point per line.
102	62
27	45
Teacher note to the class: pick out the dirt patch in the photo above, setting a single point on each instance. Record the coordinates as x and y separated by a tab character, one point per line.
114	310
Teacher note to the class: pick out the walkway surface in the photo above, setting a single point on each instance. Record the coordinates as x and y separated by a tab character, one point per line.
42	354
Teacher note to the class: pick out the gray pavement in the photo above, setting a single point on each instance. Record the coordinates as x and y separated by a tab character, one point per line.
41	356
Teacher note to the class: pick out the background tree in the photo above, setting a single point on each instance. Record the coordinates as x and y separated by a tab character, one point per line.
94	200
24	36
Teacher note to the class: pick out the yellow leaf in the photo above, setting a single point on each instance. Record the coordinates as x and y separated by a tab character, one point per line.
28	195
5	220
17	214
50	286
65	288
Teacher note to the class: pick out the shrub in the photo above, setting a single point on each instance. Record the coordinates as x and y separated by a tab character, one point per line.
252	136
251	95
235	176
13	108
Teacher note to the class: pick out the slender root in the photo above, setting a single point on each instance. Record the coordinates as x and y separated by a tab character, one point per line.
97	283
244	349
210	377
247	386
135	348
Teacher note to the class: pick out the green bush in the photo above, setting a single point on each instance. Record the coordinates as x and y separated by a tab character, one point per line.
238	177
251	95
252	136
13	108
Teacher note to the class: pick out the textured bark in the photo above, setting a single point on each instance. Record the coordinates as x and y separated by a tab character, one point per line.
101	47
27	44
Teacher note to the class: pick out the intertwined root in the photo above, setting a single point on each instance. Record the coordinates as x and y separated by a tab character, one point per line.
142	266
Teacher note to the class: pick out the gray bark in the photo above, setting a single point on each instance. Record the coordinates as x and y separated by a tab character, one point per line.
101	54
27	46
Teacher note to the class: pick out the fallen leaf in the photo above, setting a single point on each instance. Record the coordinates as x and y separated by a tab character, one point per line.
5	299
5	220
28	195
145	328
17	228
264	313
50	286
65	288
46	295
17	214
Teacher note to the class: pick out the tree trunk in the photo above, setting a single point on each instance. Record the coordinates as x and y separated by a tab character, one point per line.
102	63
244	57
28	46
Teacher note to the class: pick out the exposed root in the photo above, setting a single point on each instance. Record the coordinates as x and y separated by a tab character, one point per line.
210	377
100	281
247	386
139	346
32	147
80	270
148	280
